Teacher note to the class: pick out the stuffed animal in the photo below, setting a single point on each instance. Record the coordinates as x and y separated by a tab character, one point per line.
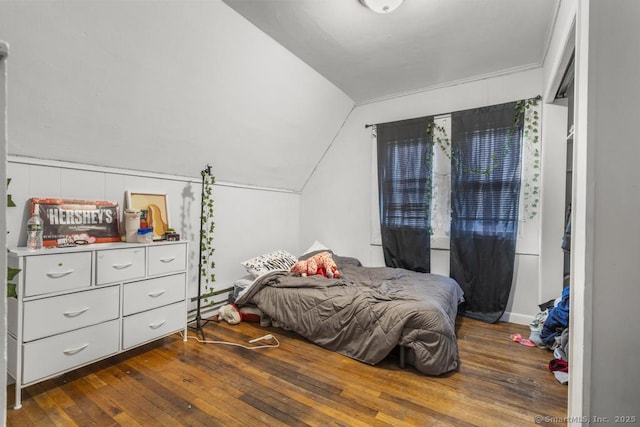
234	315
321	263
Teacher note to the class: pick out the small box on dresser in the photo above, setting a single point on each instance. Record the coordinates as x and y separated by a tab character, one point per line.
78	305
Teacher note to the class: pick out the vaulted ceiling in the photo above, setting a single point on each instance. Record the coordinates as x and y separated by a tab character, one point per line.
422	44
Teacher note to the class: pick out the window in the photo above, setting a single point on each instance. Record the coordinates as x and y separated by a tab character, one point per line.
403	185
486	169
482	188
491	145
405	152
404	156
485	194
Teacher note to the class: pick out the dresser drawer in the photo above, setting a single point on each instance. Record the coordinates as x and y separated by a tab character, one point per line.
56	272
167	259
153	293
148	325
59	353
49	316
119	264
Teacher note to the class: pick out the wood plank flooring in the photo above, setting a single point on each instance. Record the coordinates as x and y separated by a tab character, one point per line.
172	383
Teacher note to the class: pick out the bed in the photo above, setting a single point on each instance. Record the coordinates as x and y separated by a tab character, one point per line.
366	312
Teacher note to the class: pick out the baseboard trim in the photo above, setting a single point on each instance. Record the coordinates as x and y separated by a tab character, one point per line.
518	318
205	312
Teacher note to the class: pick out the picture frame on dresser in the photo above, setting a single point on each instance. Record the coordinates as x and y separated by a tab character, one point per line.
157	206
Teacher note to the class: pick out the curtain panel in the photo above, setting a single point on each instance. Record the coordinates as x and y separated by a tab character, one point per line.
485	191
405	151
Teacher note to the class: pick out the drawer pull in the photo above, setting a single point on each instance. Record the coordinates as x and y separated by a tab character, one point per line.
75	313
156	293
72	351
167	260
157	325
122	266
57	275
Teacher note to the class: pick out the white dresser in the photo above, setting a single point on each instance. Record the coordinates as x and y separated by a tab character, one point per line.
81	304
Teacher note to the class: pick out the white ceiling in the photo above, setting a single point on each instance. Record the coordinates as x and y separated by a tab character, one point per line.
422	44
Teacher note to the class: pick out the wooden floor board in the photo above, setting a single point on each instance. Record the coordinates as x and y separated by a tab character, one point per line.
171	382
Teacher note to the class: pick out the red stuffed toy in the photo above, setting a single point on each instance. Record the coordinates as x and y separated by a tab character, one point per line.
234	315
321	264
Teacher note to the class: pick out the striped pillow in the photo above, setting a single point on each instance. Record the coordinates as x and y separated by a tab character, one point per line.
278	260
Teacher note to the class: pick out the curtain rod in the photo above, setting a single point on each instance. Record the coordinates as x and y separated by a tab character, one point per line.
537	98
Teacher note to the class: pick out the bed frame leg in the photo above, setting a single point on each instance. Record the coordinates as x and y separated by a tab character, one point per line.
402	355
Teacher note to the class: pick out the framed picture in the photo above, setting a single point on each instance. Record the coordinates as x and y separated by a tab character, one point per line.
155	210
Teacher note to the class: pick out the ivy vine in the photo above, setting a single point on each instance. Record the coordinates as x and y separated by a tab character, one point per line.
428	154
11	272
11	287
440	139
528	109
524	110
10	203
206	238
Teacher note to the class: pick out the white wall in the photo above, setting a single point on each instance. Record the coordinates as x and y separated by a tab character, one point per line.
552	211
249	221
164	86
604	372
608	152
336	202
3	197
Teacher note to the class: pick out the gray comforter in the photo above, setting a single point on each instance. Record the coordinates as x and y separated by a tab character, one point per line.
367	312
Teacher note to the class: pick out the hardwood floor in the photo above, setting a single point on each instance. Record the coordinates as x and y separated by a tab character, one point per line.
171	382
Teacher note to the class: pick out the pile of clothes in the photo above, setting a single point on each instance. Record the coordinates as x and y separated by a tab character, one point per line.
550	329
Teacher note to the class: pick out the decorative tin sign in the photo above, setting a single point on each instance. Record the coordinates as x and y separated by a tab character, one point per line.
78	221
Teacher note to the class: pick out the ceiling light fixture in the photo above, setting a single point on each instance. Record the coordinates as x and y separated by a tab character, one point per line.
382	6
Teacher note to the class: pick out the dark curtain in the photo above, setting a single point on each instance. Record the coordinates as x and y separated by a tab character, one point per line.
485	190
404	180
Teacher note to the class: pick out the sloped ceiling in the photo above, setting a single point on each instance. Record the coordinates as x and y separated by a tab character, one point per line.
164	87
422	44
257	88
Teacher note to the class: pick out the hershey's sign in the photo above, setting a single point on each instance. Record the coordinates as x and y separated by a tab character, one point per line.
90	221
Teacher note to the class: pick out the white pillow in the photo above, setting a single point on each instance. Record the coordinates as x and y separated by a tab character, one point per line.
316	246
277	260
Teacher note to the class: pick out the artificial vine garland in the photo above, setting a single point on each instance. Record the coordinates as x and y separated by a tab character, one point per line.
11	272
10	203
527	108
444	142
206	237
428	153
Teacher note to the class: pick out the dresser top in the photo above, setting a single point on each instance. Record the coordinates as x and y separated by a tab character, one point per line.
23	251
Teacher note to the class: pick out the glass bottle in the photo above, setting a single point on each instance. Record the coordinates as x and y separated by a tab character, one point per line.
34	230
